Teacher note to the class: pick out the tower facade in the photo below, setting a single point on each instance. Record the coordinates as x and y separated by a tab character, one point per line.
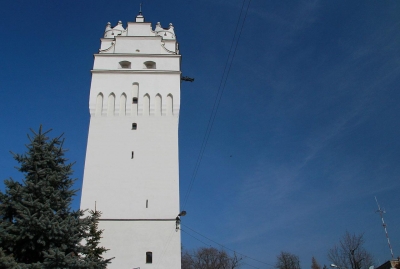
131	169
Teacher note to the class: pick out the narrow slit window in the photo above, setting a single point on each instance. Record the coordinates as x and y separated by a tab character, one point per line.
149	257
134	126
134	100
133	154
147	203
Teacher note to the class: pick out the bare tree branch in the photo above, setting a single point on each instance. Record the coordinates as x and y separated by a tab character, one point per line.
209	258
287	260
350	254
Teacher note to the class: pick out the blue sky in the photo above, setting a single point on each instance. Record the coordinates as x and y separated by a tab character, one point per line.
307	131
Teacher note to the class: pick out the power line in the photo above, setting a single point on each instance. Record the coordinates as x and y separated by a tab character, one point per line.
222	246
167	245
211	246
201	241
216	103
220	91
215	106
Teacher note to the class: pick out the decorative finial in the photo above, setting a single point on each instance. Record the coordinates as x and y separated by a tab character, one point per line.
139	17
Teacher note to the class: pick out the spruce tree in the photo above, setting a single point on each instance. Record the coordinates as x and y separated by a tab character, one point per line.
38	228
95	252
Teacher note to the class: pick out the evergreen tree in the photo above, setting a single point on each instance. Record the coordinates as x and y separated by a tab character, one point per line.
94	251
38	229
6	261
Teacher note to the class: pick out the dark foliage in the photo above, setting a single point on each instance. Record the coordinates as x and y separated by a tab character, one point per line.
94	252
38	229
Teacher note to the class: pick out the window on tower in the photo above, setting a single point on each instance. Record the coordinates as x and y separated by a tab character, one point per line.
134	126
125	65
149	65
149	257
134	100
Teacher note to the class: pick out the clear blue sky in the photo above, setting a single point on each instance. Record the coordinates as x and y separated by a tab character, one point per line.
307	132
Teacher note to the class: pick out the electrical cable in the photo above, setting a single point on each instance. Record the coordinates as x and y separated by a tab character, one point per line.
220	91
224	247
210	124
214	110
167	245
201	241
211	246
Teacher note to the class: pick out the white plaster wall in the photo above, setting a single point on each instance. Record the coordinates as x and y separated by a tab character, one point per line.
160	238
121	185
119	82
111	61
144	42
140	29
128	44
170	45
106	44
140	194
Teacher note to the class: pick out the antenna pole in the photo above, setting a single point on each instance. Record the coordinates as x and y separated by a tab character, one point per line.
381	212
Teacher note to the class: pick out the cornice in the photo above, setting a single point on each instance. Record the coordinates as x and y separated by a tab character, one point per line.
135	55
130	71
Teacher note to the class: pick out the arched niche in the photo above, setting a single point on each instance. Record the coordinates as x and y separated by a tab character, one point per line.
146	104
170	105
158	104
99	104
111	105
122	105
135	98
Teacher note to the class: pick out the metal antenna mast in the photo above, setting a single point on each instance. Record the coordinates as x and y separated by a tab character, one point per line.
381	212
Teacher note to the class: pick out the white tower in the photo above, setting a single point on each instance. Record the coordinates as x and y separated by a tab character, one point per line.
131	168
